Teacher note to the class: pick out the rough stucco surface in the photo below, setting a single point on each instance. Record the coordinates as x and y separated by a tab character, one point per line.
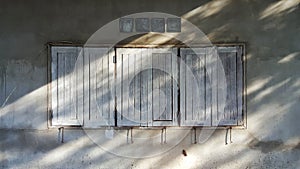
269	28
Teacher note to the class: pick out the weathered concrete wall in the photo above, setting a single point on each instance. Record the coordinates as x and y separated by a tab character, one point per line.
269	28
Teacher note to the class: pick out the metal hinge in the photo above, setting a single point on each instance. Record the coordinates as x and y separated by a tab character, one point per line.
51	113
114	59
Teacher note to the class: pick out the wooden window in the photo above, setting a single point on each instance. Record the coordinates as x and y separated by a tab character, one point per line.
95	87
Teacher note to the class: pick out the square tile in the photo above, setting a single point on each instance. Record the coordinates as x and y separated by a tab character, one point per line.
173	25
142	24
126	24
158	25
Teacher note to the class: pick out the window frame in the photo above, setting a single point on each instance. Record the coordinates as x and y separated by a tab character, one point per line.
241	124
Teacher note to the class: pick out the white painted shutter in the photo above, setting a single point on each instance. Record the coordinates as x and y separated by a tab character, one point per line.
195	88
207	97
164	87
67	86
146	90
98	82
128	88
232	113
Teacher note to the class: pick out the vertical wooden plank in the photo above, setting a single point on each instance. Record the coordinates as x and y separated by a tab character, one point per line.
2	87
93	101
119	85
212	72
124	86
95	91
199	99
155	87
86	84
2	92
239	62
208	89
124	61
73	98
182	86
219	94
202	84
105	99
168	86
111	86
79	67
150	88
98	69
233	87
225	60
137	77
175	86
144	102
67	88
128	87
101	86
95	84
61	88
189	88
195	94
162	89
69	71
160	94
128	103
54	86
